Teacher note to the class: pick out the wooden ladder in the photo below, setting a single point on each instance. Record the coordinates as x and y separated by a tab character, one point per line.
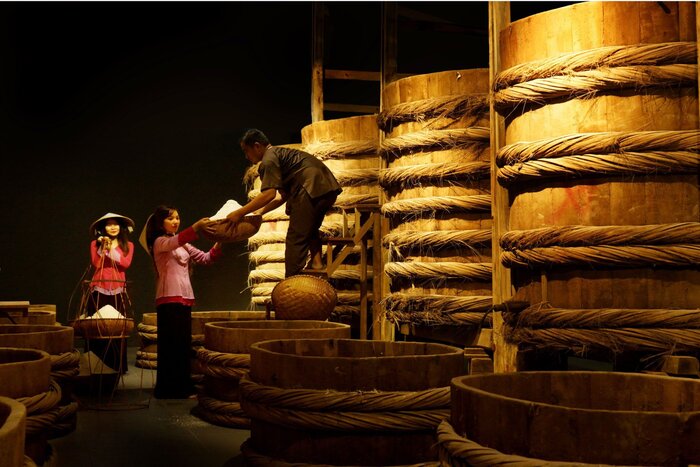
339	248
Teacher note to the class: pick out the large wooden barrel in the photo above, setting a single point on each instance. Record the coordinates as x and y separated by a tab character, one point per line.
437	189
590	417
601	168
225	359
13	418
349	148
347	402
25	377
36	314
147	355
57	341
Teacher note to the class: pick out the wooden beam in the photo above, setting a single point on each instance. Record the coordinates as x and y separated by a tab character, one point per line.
505	354
353	75
317	62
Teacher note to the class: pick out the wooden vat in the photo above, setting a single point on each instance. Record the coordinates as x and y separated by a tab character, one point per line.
347	402
590	417
57	341
25	376
225	359
13	416
602	176
147	355
349	148
437	189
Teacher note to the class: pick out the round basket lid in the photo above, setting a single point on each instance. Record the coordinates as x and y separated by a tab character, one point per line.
303	297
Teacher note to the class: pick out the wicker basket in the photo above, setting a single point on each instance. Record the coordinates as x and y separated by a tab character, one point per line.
303	297
103	328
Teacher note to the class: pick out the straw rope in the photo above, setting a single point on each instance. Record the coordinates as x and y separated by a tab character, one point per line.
269	275
325	150
357	177
65	420
447	304
251	173
332	400
417	239
255	459
275	216
543	315
328	229
223	365
679	255
398	419
662	53
421	270
452	107
347	201
418	206
65	365
415	175
42	401
475	138
618	340
28	462
457	451
222	413
588	83
600	165
439	318
576	235
613	142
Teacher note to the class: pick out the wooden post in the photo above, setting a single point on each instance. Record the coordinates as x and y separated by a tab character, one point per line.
377	275
382	329
317	62
505	354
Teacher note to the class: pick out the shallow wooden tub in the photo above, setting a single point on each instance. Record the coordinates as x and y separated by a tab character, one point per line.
13	416
592	417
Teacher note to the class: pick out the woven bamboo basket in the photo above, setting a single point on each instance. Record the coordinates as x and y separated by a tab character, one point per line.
103	328
303	297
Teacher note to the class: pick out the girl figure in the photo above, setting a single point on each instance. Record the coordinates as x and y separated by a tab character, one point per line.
111	254
173	257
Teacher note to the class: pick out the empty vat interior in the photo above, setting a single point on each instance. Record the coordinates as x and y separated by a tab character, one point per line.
594	391
18	355
347	348
4	413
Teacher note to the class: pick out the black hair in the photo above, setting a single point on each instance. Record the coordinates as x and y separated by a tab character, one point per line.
154	227
253	136
122	236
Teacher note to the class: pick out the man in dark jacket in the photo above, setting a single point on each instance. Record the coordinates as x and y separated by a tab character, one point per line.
304	183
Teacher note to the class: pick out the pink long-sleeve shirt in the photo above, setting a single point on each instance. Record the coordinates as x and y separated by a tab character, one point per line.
172	255
110	268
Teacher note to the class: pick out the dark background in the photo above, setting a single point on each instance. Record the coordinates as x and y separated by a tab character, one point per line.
119	107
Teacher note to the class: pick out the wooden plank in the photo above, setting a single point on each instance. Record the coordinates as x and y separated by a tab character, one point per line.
353	75
505	354
377	277
317	62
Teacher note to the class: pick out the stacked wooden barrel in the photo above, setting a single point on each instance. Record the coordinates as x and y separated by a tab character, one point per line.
438	204
57	341
147	355
348	147
346	402
25	376
571	418
601	167
225	359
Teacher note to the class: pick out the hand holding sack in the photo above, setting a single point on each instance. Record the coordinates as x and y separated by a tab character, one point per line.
225	231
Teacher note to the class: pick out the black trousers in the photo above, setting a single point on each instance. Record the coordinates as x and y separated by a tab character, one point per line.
173	379
305	218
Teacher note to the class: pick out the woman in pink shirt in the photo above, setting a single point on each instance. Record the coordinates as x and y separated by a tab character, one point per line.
173	258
